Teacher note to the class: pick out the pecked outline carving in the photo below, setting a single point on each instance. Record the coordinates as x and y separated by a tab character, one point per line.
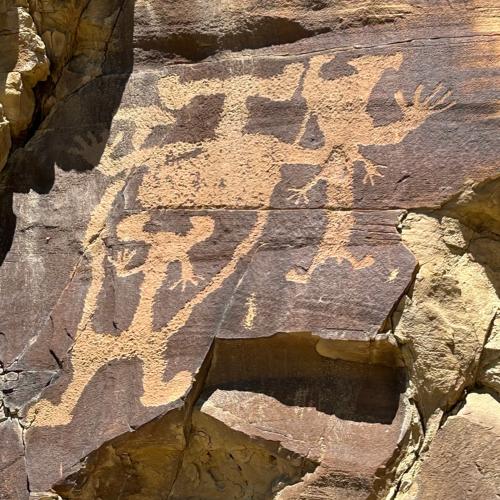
248	170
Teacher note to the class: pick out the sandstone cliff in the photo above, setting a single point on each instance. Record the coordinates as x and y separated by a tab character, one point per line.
249	249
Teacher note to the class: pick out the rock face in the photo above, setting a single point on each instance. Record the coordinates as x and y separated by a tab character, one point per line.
249	250
463	460
23	63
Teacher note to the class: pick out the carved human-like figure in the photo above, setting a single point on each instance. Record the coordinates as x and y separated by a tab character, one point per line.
93	350
236	166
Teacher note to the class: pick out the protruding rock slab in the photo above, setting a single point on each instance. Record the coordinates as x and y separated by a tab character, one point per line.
287	400
441	340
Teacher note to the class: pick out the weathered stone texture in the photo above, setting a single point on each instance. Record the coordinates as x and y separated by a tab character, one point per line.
5	140
463	460
489	374
12	460
23	63
249	249
442	341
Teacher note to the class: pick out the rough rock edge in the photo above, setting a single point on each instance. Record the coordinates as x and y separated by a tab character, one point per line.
463	207
19	82
32	80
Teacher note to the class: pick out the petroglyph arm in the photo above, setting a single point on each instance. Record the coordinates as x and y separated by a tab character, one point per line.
415	113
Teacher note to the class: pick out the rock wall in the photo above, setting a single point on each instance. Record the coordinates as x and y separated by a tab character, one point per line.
23	63
249	249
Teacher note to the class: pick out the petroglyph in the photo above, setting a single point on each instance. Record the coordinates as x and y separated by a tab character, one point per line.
165	247
235	166
333	246
92	350
251	312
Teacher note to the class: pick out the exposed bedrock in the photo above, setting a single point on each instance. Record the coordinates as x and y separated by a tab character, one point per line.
249	249
23	63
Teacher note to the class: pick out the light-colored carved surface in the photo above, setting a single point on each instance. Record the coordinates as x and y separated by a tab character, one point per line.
235	169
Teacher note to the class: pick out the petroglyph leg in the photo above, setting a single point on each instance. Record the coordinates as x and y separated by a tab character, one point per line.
85	367
157	391
187	275
333	246
372	170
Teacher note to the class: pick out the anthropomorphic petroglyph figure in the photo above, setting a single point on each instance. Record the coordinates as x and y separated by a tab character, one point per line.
164	248
237	165
249	161
93	350
341	114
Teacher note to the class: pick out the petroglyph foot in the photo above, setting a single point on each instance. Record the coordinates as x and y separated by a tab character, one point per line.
366	261
157	392
187	277
372	170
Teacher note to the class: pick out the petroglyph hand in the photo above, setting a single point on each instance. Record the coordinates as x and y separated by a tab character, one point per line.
372	171
421	108
89	148
187	277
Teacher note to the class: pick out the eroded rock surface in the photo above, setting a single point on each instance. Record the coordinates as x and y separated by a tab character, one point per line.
489	374
248	249
442	341
282	394
463	460
23	63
